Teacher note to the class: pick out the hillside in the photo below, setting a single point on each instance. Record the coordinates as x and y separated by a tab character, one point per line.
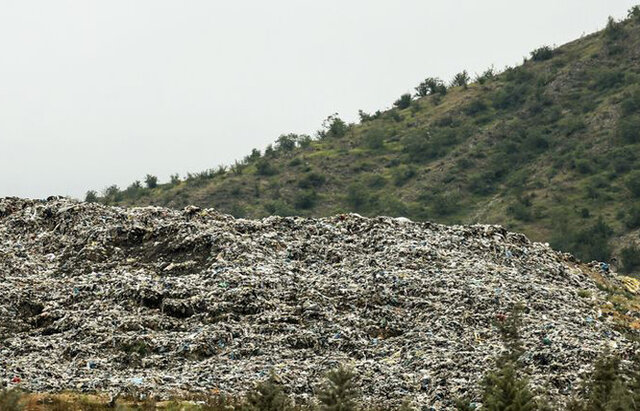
550	148
164	303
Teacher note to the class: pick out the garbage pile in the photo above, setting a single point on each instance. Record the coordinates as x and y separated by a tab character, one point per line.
166	302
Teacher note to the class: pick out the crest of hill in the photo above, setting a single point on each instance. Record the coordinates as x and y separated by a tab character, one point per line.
550	148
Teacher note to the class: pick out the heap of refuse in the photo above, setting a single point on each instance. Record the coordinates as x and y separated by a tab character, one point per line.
169	303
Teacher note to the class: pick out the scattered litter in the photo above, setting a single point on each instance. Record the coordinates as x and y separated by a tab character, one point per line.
98	299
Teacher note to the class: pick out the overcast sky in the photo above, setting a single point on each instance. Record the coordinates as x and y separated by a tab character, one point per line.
94	93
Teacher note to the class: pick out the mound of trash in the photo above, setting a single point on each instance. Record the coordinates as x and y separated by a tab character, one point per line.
166	302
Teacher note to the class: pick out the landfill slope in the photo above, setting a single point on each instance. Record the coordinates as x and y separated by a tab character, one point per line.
166	302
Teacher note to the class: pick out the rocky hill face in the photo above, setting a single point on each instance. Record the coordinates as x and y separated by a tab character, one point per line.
549	148
155	300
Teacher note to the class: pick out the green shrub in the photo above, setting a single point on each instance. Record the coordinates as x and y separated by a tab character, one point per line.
572	124
585	242
614	30
510	95
333	126
376	181
541	54
312	179
634	13
630	257
583	166
280	208
374	138
632	220
151	181
628	129
112	194
461	79
305	200
265	168
357	196
339	392
444	204
633	183
402	174
431	85
174	179
268	395
91	196
606	79
475	107
487	75
287	142
403	102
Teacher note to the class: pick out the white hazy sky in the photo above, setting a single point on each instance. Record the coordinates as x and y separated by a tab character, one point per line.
94	93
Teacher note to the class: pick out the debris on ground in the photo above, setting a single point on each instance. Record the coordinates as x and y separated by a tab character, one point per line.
167	303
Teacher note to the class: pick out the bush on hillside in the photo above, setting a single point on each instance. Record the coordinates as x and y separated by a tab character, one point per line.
174	179
632	220
312	179
287	142
333	126
431	85
541	54
402	174
403	102
628	129
265	168
614	30
630	257
461	79
305	200
488	74
374	138
633	183
151	181
357	196
634	13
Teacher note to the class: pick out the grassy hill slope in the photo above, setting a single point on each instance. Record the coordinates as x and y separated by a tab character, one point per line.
550	148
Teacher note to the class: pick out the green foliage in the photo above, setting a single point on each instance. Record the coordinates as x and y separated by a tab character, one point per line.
403	102
264	167
287	142
475	107
504	390
444	204
339	392
151	181
312	179
364	117
112	194
304	200
374	138
633	183
541	54
461	79
632	220
402	174
268	395
634	13
357	196
606	79
614	30
630	257
487	75
571	125
174	179
91	196
585	242
510	95
628	129
280	208
431	85
333	126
